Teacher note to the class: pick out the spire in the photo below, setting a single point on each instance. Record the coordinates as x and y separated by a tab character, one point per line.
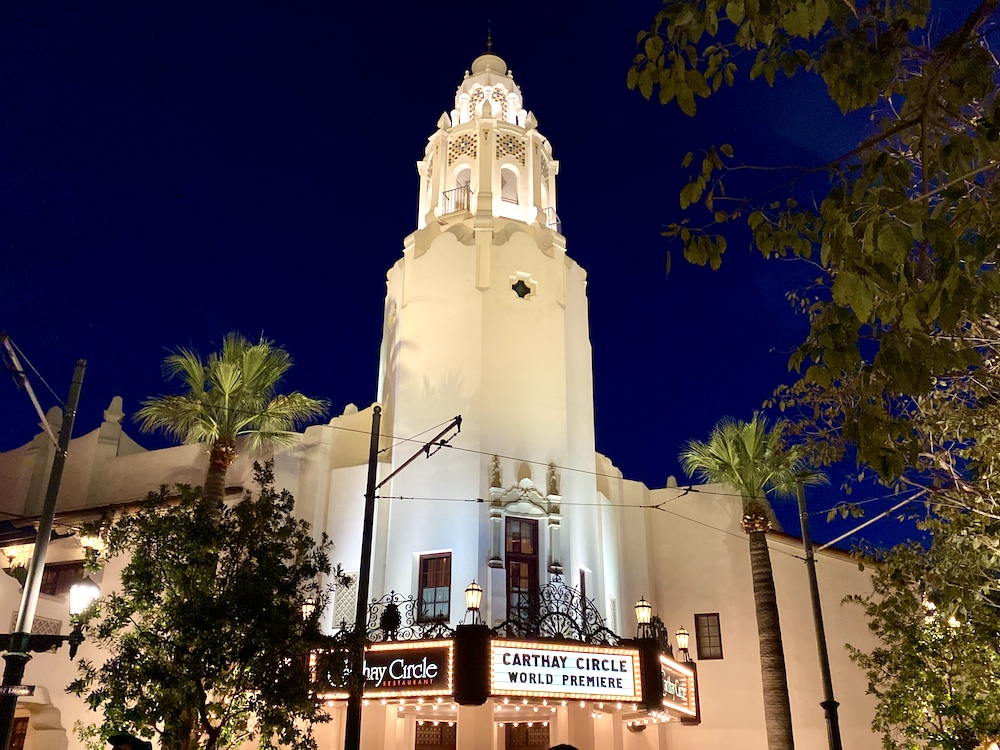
489	37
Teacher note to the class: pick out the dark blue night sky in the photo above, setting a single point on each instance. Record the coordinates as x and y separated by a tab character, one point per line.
171	171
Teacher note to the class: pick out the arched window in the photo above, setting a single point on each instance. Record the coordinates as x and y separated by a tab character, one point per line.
458	198
508	184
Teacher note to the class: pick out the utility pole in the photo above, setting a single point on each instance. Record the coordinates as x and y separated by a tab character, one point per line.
352	730
21	641
829	704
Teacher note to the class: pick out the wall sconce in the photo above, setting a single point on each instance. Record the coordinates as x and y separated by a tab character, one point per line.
683	637
473	599
308	608
643	615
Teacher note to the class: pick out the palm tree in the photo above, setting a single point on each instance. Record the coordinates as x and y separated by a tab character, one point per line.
230	395
752	459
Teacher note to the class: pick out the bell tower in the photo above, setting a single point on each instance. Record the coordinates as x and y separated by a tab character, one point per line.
486	316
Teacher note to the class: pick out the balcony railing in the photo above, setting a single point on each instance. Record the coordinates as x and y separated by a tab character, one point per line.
552	220
456	199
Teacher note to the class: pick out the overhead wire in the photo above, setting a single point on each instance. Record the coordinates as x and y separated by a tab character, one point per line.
683	489
37	373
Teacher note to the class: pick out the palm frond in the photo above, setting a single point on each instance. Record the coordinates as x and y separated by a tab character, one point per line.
749	456
231	393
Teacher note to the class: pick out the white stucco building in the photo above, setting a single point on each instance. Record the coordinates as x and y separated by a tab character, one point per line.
486	316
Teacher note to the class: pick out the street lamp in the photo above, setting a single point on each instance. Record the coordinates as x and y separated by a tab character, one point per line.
682	642
473	598
20	645
643	615
308	608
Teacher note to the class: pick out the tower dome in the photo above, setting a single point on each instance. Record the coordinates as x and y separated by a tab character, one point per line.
487	157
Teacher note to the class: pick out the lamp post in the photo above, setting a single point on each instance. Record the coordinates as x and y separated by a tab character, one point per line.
643	615
473	598
20	645
829	703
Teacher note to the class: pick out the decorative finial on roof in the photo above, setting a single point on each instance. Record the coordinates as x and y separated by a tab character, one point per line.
489	36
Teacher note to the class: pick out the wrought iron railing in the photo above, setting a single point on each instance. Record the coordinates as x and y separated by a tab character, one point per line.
456	199
558	611
552	220
397	618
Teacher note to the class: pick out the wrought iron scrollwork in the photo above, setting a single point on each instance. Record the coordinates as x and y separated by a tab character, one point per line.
558	611
394	617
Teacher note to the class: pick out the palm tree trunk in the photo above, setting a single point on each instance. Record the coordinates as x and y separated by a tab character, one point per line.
220	457
777	710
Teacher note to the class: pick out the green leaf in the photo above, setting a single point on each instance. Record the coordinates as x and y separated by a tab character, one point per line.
685	98
735	11
726	149
632	80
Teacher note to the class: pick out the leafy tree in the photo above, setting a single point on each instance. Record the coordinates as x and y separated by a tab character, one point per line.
208	647
229	396
752	458
936	675
901	360
906	237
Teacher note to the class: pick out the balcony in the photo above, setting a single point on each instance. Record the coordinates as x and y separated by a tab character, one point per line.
456	199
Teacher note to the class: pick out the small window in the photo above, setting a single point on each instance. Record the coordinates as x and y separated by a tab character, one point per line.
18	733
58	578
435	586
708	635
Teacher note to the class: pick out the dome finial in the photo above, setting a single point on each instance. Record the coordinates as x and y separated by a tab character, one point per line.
489	37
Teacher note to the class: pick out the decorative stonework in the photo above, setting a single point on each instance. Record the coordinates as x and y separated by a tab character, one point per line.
495	476
462	145
476	99
552	480
40	625
509	144
525	500
499	96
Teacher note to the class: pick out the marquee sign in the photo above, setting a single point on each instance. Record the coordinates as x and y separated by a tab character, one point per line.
679	687
394	670
558	670
409	668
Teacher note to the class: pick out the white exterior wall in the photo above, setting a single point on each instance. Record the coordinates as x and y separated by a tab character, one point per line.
697	561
